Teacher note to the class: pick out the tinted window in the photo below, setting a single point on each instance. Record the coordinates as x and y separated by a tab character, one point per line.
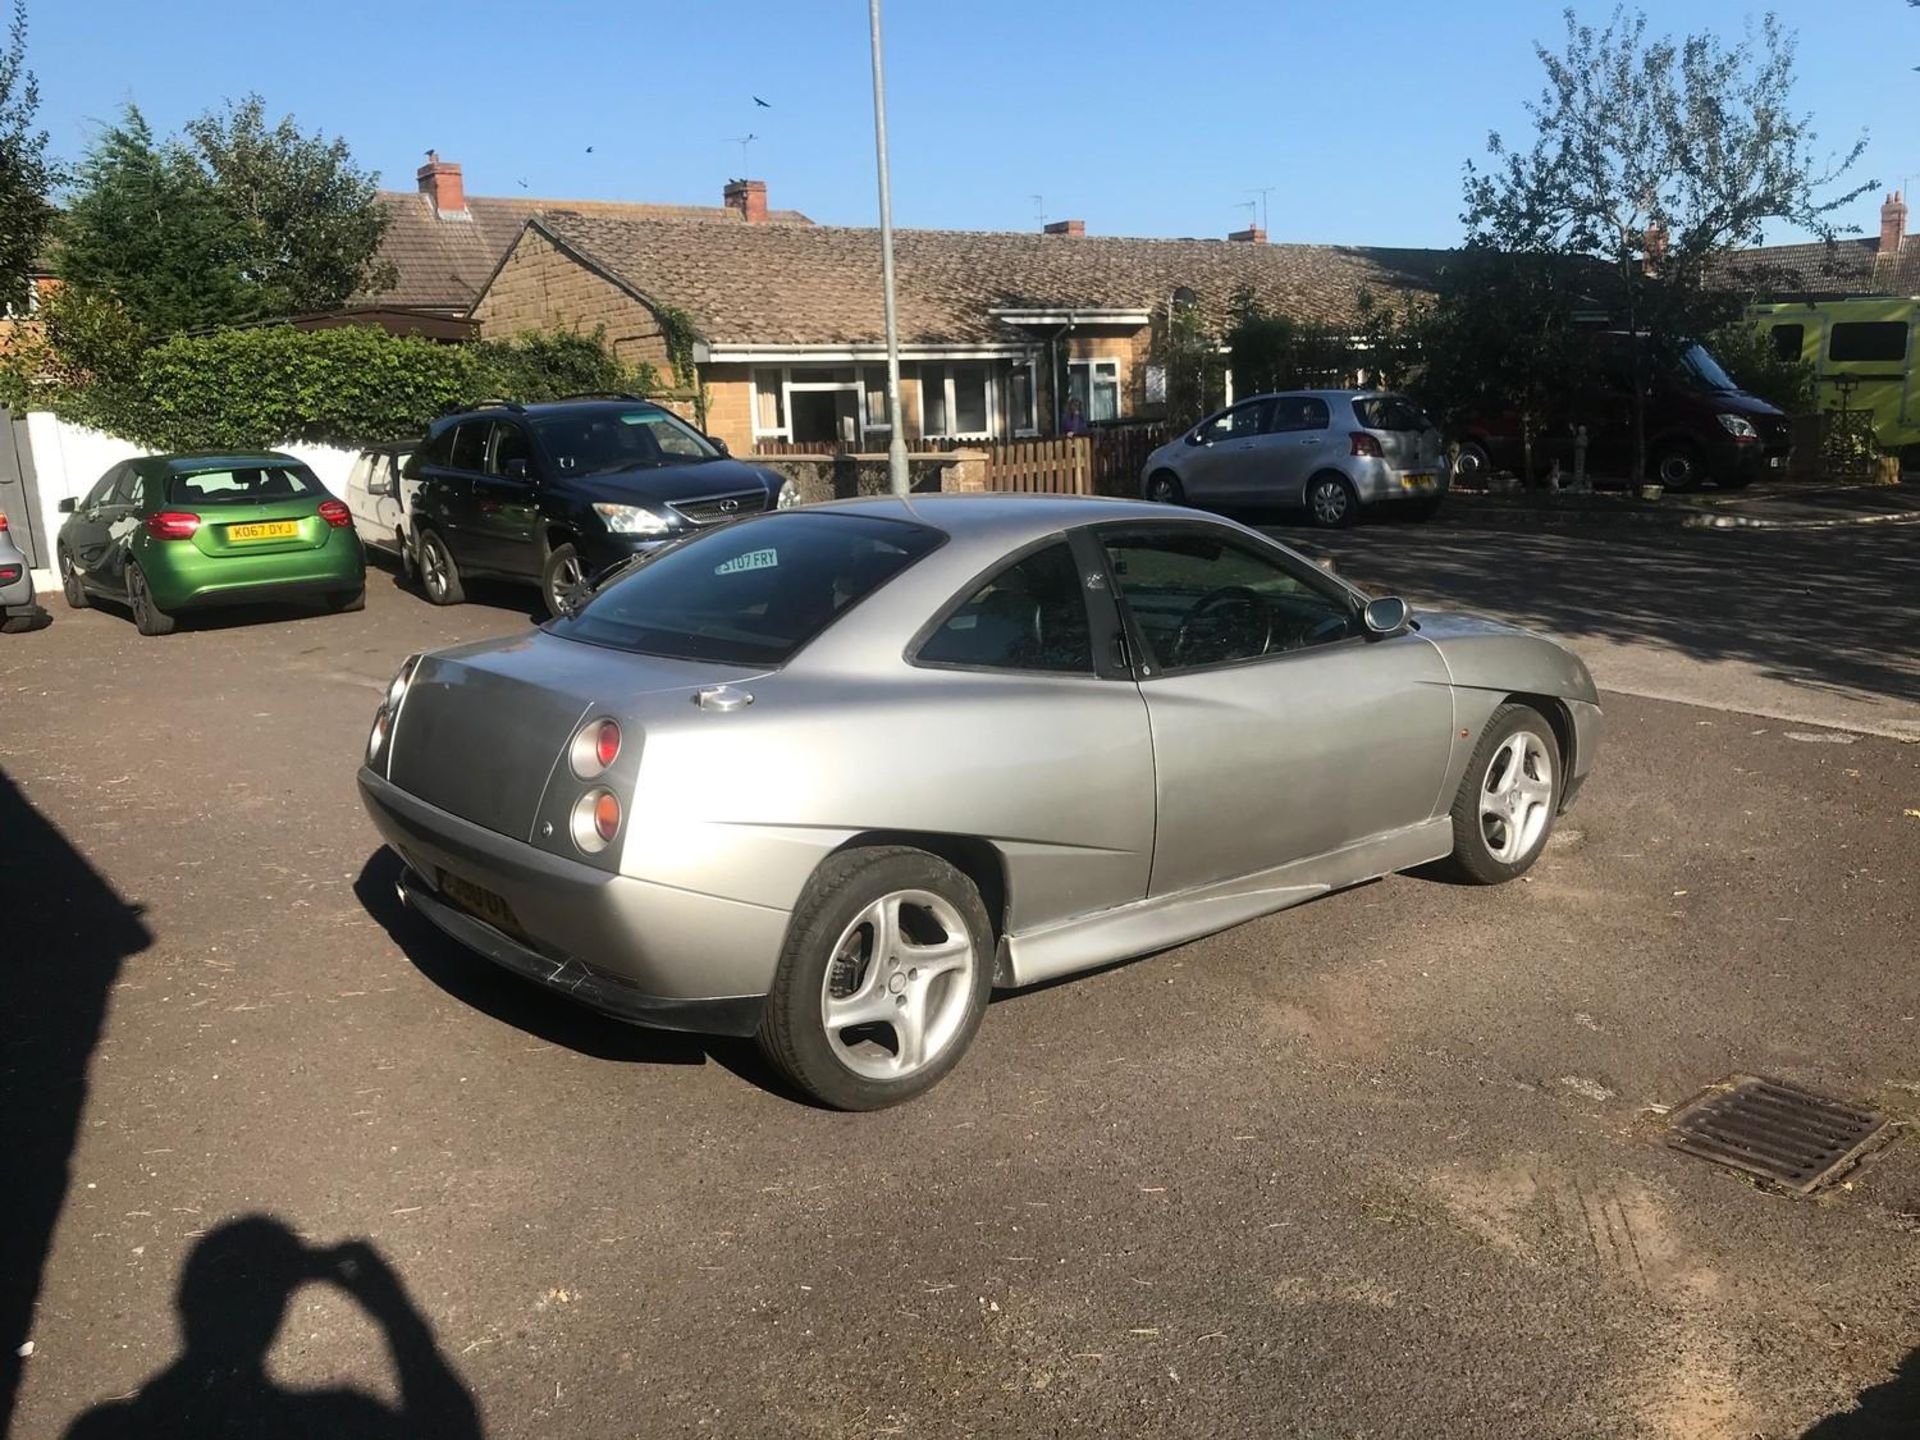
1884	340
1198	598
1392	413
97	496
243	485
127	490
1787	341
469	445
752	593
509	443
599	442
437	451
1242	420
1028	617
1299	412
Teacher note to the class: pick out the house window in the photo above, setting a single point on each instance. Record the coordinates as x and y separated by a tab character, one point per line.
874	378
1020	400
1881	340
1096	385
769	403
956	400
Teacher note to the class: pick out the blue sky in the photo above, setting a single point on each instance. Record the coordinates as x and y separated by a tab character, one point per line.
1139	118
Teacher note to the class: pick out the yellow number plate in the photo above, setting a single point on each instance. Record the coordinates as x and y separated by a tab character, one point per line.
265	530
481	903
1416	482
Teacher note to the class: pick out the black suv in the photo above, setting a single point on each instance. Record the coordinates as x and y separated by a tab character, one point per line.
560	493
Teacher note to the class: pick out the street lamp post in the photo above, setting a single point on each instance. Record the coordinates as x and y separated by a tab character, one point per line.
896	431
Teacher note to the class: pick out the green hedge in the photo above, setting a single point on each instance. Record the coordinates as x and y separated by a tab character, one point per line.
347	386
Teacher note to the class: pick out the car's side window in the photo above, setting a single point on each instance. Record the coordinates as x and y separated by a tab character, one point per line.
437	451
1299	412
1200	597
509	443
131	490
470	446
1238	423
1030	616
102	492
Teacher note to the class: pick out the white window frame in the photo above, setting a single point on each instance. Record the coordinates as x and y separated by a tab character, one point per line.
1091	364
782	431
944	372
1032	427
790	385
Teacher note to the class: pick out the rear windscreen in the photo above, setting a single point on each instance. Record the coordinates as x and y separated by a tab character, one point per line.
1390	412
751	593
243	486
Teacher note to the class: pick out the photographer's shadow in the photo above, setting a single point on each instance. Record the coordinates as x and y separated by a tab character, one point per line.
234	1291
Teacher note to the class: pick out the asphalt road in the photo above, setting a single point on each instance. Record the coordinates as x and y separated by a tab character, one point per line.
1390	1164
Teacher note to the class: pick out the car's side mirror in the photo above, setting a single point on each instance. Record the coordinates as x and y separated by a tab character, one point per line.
515	468
718	444
65	507
1389	615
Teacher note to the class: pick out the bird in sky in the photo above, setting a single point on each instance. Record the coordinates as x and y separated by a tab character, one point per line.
761	103
522	184
589	149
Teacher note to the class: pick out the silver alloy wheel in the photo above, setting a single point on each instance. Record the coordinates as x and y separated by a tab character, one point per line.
433	566
1516	797
1329	501
887	974
569	577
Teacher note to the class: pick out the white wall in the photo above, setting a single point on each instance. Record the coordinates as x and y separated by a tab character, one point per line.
69	459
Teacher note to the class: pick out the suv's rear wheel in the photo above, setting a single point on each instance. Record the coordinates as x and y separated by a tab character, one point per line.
563	581
439	576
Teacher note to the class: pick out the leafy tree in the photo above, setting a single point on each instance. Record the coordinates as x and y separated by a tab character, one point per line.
1748	356
1189	351
26	175
147	230
1655	158
1276	352
308	221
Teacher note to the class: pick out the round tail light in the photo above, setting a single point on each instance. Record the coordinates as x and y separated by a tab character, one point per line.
595	747
596	821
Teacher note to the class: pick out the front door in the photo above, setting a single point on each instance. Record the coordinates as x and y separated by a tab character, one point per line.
1280	730
1224	452
87	536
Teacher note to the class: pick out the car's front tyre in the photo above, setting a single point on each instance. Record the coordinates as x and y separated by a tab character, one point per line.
883	980
1332	503
1163	488
1504	811
71	585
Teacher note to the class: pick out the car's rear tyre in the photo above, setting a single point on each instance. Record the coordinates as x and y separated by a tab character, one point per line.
439	575
1164	488
348	602
72	586
1331	501
1504	812
563	580
1677	466
409	567
883	979
18	624
148	618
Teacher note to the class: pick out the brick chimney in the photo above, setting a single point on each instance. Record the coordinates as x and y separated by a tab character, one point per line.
440	182
749	197
1064	227
1252	235
1893	224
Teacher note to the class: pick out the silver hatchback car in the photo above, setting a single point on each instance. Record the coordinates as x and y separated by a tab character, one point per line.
1330	452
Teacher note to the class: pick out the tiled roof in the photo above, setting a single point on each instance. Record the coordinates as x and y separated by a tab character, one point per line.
820	285
1846	267
442	264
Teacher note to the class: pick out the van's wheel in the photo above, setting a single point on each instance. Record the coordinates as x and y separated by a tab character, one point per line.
883	979
71	585
1472	465
1164	488
439	576
148	618
1331	503
1678	467
563	581
1508	798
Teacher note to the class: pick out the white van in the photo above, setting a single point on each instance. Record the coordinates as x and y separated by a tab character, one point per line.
380	497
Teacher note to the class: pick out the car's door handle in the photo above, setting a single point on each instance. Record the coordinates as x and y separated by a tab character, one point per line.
1313	441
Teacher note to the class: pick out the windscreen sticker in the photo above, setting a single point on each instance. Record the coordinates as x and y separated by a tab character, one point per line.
752	560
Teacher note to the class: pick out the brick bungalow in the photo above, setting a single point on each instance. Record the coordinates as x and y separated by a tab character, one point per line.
786	319
1883	264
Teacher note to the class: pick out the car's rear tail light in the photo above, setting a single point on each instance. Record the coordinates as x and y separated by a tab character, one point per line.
595	747
336	514
3	520
596	821
9	574
172	525
1365	445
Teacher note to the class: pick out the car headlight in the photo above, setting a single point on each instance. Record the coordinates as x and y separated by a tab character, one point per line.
632	520
1738	426
789	496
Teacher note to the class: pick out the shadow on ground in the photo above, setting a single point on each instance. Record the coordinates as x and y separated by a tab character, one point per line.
485	987
234	1291
64	935
1883	1412
1823	609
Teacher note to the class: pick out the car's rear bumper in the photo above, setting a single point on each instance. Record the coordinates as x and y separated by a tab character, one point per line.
1379	483
655	954
182	578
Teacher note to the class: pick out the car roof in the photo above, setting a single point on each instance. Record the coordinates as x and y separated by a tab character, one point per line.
1354	393
185	461
543	408
1003	517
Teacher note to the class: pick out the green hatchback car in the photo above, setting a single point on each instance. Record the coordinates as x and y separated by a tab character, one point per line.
167	533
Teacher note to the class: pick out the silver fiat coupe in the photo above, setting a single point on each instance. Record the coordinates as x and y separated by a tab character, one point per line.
827	776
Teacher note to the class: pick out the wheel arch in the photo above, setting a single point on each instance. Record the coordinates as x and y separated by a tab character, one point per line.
1558	717
979	860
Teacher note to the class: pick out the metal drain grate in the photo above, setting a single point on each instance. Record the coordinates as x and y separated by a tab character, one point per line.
1793	1137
